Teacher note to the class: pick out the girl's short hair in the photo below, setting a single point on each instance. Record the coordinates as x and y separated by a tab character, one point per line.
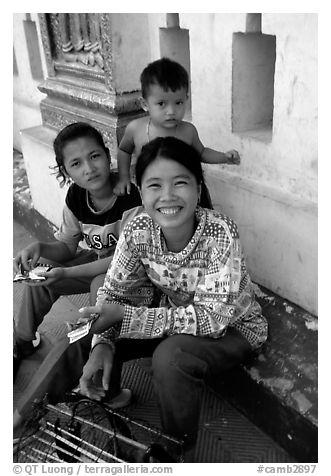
168	74
169	148
67	134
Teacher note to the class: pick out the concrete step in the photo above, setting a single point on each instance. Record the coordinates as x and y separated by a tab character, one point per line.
277	389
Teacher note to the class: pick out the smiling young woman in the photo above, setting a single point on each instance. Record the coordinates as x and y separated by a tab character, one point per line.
206	320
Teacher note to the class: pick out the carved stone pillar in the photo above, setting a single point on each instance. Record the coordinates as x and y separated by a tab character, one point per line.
81	51
94	61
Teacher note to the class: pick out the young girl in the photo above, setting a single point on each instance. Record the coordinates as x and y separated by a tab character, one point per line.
92	212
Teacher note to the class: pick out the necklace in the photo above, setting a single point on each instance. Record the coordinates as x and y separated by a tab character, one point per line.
148	130
94	207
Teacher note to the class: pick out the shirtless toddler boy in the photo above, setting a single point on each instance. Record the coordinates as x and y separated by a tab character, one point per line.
164	86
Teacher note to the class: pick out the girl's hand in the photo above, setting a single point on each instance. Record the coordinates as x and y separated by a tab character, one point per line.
27	258
233	157
110	314
51	276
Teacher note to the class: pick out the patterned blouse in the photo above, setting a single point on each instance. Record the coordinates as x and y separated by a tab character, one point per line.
201	290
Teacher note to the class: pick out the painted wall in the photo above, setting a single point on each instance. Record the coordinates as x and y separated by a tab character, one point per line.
253	68
273	193
288	165
131	49
27	97
47	196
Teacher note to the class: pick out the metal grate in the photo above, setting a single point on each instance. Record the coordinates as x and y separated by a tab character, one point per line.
88	431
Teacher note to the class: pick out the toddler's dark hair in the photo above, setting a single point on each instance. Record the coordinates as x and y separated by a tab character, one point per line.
68	134
179	151
166	73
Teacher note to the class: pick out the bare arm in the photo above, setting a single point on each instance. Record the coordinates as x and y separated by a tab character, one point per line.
54	251
124	154
211	156
57	251
95	268
92	269
123	163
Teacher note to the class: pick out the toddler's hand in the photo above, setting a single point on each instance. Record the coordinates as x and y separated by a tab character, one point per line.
233	157
123	187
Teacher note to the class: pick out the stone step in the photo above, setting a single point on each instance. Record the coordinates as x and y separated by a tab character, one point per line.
277	389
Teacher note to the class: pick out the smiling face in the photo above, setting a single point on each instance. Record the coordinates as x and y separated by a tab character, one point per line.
170	195
166	108
87	163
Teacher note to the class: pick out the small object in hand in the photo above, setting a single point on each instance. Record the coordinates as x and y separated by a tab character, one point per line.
81	329
32	275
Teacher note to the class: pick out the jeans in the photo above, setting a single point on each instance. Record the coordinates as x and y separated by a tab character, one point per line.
181	365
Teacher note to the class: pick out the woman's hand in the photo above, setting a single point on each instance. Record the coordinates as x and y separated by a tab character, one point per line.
27	258
109	314
95	379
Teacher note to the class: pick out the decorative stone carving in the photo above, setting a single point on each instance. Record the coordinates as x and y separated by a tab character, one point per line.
74	38
107	47
57	120
46	43
79	87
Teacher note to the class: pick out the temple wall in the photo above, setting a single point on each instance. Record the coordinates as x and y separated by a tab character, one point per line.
253	88
26	76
